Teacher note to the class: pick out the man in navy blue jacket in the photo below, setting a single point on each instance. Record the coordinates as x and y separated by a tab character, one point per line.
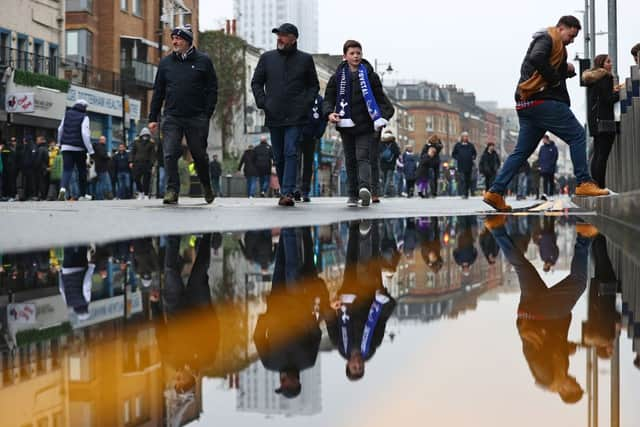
548	159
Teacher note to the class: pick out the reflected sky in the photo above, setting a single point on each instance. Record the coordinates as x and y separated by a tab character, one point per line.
457	321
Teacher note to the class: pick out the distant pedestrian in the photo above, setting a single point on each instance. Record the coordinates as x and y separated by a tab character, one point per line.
41	168
534	179
429	168
28	172
215	171
409	169
264	162
102	160
285	84
522	178
311	135
55	170
186	83
389	153
464	154
10	169
356	104
248	164
489	164
601	97
74	138
123	172
142	156
542	102
548	157
635	52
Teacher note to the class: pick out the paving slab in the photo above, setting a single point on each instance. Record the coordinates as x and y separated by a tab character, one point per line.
32	225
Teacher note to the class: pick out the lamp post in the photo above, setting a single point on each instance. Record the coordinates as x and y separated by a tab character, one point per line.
389	68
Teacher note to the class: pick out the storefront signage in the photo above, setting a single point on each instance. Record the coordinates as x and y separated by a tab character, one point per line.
20	102
102	102
100	311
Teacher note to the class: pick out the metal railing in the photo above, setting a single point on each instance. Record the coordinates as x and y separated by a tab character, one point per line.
95	78
623	173
29	61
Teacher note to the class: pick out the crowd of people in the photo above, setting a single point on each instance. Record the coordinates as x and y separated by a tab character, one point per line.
285	86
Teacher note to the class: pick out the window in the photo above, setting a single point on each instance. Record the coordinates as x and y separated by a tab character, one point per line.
137	7
53	60
80	46
123	5
23	52
5	44
429	120
38	66
411	124
79	6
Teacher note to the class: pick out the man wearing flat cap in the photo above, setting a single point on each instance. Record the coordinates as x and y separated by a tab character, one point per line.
186	83
285	85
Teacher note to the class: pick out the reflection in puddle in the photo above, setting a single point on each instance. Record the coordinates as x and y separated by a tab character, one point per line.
319	321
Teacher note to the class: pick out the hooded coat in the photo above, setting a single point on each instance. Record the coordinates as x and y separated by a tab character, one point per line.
600	97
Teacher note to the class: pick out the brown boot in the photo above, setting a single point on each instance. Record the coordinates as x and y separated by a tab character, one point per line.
493	222
496	201
587	230
590	189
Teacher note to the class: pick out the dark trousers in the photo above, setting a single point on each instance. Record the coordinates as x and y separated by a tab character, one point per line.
306	153
357	158
602	144
215	184
9	178
142	176
374	159
465	183
536	297
548	184
411	184
29	183
488	181
196	131
196	293
77	160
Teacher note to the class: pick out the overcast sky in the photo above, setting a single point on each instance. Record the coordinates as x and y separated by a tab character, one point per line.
477	45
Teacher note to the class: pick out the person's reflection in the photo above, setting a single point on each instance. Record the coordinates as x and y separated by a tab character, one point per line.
287	335
390	255
489	246
603	320
430	246
258	247
465	254
356	326
544	314
145	259
75	279
188	333
547	241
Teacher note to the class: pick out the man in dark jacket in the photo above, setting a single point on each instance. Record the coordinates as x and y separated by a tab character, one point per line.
465	155
287	335
248	161
101	159
123	171
409	169
311	135
489	164
187	84
429	168
41	168
355	102
264	161
143	153
215	171
389	153
10	169
543	105
548	159
285	84
28	171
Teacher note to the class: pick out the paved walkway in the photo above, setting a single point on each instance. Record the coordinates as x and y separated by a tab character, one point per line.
30	225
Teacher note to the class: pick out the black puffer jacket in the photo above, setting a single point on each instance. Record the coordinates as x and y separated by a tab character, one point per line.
284	85
188	87
538	59
359	112
600	97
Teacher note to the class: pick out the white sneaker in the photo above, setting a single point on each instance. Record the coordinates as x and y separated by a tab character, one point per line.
365	196
62	195
86	198
146	197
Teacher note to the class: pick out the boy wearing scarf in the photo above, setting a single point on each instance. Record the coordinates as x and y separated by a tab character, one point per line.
355	102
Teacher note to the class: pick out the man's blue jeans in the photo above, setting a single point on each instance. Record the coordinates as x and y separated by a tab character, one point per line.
265	180
552	116
251	185
123	185
103	185
284	141
522	184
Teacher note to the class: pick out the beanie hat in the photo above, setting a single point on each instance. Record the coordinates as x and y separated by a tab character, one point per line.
185	32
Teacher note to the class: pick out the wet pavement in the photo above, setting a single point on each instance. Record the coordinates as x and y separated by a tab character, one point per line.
461	321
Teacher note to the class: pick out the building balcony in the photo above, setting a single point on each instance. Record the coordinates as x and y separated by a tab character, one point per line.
28	61
141	73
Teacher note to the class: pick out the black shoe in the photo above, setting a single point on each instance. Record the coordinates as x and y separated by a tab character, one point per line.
170	197
208	194
286	201
306	199
297	196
